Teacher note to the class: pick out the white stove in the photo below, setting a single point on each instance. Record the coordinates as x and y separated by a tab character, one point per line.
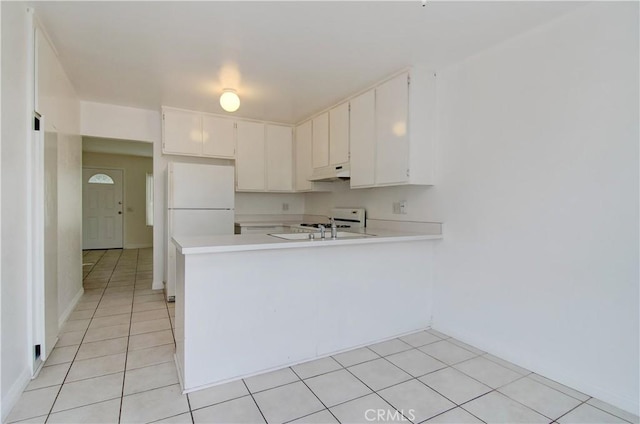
345	218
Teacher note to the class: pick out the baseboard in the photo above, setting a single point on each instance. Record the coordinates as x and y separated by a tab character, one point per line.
138	245
555	373
13	394
157	285
72	305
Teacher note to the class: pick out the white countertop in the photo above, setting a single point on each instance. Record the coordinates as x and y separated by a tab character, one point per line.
246	242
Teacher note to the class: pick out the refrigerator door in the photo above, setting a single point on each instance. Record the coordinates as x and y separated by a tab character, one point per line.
198	186
188	223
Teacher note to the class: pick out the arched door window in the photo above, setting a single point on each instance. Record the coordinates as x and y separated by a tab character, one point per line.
100	179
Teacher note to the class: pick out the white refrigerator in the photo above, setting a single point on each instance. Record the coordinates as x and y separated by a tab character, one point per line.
200	202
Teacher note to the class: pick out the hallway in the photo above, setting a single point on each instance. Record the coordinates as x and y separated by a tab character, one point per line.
120	326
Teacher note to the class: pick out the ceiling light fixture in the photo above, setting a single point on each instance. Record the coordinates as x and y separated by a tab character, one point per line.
229	100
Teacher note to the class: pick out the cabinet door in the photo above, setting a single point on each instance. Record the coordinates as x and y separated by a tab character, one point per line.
218	137
392	153
363	139
279	158
250	156
321	140
339	134
304	166
181	132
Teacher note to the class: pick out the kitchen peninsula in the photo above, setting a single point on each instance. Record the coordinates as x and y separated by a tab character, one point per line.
247	304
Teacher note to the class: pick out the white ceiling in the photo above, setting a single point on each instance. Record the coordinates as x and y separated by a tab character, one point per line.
287	60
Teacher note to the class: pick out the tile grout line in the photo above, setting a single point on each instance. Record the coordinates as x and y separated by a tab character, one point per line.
572	409
372	390
189	406
113	270
314	393
452	366
417	378
413	378
484	355
254	401
126	352
81	340
359	363
531	408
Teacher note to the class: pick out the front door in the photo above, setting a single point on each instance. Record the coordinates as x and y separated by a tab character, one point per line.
101	208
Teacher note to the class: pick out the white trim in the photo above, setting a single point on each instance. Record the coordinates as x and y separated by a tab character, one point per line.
138	245
35	204
157	285
72	305
2	410
10	400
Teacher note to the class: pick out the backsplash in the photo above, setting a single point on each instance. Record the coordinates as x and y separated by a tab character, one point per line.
379	202
269	203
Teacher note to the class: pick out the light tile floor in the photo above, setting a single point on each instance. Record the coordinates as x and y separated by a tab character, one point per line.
114	363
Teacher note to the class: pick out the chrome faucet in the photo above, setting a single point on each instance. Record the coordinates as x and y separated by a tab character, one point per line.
334	229
322	229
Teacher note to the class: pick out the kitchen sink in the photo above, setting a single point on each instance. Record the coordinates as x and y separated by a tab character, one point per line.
305	236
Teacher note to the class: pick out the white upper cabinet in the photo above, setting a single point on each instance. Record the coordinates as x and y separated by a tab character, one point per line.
392	154
279	141
339	134
304	166
181	132
250	156
320	136
362	139
190	133
218	137
393	132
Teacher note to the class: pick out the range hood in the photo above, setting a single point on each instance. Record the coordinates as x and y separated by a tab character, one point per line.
331	173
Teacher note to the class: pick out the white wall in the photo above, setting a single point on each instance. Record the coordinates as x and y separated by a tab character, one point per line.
539	194
269	203
60	108
120	122
15	369
126	123
377	201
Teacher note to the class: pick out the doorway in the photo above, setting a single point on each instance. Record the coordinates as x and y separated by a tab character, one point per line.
102	208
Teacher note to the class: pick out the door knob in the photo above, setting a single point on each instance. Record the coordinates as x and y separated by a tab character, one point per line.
119	212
